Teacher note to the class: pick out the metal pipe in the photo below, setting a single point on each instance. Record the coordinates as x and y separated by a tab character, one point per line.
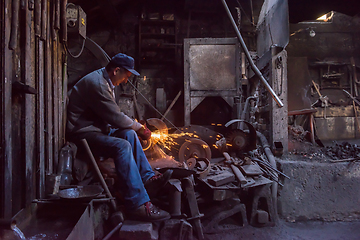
113	231
252	64
271	158
241	125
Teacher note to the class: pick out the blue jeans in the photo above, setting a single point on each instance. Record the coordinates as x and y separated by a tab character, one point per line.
131	164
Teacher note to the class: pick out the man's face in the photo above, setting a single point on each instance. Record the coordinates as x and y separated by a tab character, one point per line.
121	75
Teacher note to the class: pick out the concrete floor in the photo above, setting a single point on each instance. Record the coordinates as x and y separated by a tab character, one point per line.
294	231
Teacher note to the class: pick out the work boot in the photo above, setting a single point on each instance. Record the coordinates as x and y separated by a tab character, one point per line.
155	183
148	213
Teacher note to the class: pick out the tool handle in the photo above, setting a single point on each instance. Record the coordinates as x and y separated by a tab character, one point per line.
101	178
238	174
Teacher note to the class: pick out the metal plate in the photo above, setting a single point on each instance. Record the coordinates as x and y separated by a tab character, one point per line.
212	67
81	192
332	128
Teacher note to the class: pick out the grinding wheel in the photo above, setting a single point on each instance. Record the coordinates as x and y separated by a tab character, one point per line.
194	148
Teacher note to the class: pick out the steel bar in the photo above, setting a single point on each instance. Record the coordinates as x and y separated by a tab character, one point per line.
252	64
113	231
345	160
269	166
101	178
354	99
171	105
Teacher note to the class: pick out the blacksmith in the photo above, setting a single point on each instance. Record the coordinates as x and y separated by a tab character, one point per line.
94	115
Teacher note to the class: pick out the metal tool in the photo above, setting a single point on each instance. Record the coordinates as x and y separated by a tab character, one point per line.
324	99
353	98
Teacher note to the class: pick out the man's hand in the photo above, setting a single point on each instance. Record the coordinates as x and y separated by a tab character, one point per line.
144	133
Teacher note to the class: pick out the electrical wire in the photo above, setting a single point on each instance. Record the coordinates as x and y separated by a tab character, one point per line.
153	106
81	51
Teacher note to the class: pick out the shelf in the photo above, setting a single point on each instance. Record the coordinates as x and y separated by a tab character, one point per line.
157	35
158	48
156	22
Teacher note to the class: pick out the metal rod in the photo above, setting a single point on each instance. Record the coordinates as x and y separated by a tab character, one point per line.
101	178
113	231
153	106
171	105
269	166
252	64
354	99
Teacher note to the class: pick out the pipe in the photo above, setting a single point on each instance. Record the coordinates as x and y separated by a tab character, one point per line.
271	158
241	126
113	231
252	64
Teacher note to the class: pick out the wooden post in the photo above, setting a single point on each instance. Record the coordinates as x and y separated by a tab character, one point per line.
6	187
30	125
278	116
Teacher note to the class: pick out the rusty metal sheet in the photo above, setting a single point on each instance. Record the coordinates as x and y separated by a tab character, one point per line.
212	67
299	84
347	111
273	25
332	128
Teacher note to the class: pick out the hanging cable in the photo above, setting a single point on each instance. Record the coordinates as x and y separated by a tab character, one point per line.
79	54
153	106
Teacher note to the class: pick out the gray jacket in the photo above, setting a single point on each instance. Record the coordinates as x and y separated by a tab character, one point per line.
92	106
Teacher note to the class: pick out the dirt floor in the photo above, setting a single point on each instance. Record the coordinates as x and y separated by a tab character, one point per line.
294	231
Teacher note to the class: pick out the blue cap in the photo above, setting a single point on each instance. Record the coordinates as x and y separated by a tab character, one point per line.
125	61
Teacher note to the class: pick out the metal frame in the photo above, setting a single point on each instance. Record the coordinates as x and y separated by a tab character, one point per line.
193	97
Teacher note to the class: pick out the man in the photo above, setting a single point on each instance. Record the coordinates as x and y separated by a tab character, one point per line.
91	110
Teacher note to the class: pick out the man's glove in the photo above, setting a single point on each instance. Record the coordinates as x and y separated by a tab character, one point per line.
144	133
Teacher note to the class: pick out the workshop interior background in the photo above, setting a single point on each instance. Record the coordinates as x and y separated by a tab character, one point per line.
308	62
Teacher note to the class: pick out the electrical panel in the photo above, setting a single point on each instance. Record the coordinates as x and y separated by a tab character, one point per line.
76	20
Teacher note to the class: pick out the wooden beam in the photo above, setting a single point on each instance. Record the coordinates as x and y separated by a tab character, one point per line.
30	125
48	94
6	124
40	118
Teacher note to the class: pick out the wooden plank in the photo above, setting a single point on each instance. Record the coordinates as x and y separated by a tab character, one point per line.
55	84
48	106
37	18
40	116
6	124
29	79
44	19
62	94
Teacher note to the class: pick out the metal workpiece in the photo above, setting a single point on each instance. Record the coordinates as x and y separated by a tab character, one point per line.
251	62
194	148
